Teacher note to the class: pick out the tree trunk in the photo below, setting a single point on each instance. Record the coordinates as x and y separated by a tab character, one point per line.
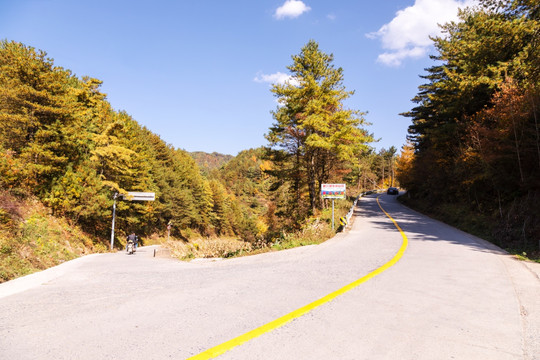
536	126
392	169
517	150
310	167
383	172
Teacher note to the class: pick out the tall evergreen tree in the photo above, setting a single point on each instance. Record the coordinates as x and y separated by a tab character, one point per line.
315	133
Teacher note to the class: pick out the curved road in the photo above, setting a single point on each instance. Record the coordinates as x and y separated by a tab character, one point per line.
451	296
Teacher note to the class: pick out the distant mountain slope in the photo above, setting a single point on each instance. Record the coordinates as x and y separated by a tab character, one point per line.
210	161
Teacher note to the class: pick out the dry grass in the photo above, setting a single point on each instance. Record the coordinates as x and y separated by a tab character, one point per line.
31	239
207	248
313	232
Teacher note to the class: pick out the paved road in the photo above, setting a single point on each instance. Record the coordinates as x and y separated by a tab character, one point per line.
451	296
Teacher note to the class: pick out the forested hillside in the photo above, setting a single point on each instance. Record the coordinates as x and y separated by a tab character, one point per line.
65	153
475	135
62	144
211	161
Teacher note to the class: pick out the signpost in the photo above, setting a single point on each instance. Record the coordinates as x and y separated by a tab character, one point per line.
130	196
139	196
113	218
333	191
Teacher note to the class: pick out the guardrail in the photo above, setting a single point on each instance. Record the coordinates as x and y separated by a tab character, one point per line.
351	211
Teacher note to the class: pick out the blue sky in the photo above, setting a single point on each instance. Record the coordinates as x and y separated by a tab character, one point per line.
198	73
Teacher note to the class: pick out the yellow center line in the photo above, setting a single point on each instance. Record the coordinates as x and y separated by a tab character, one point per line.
237	341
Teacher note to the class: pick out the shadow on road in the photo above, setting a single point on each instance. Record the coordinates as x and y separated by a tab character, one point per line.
418	227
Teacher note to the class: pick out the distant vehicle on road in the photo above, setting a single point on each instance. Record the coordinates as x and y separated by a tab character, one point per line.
392	191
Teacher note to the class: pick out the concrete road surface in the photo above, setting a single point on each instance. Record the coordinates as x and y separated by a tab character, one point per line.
450	296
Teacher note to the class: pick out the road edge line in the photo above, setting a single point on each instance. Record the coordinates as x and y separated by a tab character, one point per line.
279	322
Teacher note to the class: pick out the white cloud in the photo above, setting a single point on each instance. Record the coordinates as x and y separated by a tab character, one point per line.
291	9
395	58
407	35
277	78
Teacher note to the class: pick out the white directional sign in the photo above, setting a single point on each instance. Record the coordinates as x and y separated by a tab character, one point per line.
140	196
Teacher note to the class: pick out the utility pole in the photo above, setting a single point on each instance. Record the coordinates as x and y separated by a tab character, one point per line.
392	164
113	218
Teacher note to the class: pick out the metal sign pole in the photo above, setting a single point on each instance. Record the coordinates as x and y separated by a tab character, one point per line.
113	217
332	214
333	191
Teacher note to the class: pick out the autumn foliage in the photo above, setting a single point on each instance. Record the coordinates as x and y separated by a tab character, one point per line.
63	144
475	129
64	148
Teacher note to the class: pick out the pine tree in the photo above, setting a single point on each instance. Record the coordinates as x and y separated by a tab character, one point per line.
315	134
33	115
